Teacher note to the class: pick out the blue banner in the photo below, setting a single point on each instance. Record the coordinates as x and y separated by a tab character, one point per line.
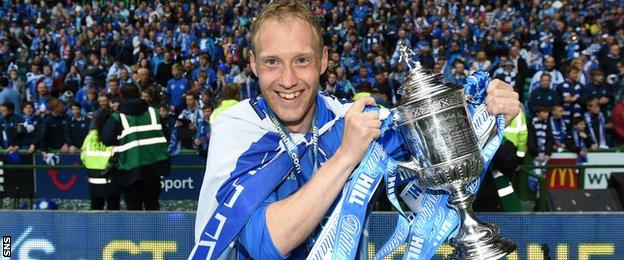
180	184
161	235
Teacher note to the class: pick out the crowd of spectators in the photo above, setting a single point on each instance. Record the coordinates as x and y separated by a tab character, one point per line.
62	62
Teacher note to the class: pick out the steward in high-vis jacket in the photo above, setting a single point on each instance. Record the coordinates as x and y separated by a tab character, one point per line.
95	157
140	149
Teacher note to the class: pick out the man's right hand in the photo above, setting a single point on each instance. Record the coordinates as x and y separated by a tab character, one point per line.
360	129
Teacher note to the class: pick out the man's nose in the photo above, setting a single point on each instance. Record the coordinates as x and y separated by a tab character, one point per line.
288	78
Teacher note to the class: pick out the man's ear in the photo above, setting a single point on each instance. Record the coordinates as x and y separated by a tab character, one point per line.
324	59
252	62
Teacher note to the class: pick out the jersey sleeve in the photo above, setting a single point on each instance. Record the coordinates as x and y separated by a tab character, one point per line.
255	236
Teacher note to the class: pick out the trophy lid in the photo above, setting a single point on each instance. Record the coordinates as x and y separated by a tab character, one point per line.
421	82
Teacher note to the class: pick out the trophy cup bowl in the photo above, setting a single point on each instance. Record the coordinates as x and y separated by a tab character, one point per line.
433	120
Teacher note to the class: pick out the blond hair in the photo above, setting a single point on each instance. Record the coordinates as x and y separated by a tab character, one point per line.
286	8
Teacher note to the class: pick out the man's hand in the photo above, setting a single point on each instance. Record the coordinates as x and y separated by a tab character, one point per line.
583	135
502	99
198	141
73	149
360	129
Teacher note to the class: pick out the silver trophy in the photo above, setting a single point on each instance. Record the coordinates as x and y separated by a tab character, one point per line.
434	122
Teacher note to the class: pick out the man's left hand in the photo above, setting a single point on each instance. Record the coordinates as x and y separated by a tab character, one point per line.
502	99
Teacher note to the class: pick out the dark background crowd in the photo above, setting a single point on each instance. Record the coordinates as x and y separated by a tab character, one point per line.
62	62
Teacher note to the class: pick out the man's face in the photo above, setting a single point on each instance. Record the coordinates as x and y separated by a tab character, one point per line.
123	74
557	112
114	86
459	67
288	63
599	78
190	101
331	78
481	55
176	72
580	126
145	96
437	68
42	89
364	72
75	111
28	110
545	82
103	102
143	75
207	112
47	70
593	108
4	111
163	113
574	74
614	50
115	106
550	63
454	46
542	115
60	108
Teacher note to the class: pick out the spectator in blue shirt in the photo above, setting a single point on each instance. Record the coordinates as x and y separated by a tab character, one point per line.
176	87
204	66
41	99
364	75
202	138
167	120
59	67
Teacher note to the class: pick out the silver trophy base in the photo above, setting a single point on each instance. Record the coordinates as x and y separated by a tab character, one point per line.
494	247
476	239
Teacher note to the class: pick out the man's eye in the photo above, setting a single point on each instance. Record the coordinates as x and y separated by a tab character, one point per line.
302	60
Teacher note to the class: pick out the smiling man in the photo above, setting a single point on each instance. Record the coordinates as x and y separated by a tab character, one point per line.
276	165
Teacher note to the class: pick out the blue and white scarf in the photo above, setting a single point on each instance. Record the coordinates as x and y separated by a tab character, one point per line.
541	130
559	131
599	139
571	109
580	144
232	189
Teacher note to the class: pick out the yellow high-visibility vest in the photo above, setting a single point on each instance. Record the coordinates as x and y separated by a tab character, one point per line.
225	104
95	154
517	133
